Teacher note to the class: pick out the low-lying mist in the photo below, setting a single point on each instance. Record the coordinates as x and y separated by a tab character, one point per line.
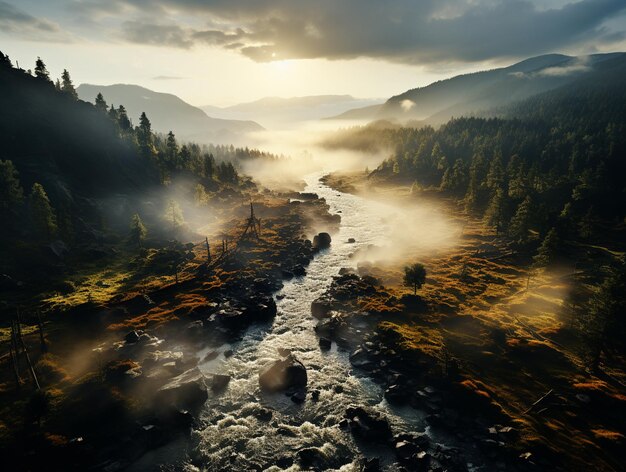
307	154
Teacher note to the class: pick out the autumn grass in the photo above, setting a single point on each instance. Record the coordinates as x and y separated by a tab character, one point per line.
511	331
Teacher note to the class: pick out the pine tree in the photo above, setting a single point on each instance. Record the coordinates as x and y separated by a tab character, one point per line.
138	231
123	120
200	196
44	218
519	226
496	213
57	85
172	150
41	72
547	250
174	215
184	157
144	136
113	113
602	324
67	86
209	166
101	103
11	193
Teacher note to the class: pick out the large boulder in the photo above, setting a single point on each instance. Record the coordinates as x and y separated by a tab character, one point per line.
186	391
322	241
368	424
283	374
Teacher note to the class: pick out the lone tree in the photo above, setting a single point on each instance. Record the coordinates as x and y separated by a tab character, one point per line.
414	276
138	230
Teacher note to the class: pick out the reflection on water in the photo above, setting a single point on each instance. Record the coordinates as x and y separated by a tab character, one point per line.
239	433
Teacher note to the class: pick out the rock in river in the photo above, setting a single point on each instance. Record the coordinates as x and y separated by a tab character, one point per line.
321	241
187	391
368	424
283	374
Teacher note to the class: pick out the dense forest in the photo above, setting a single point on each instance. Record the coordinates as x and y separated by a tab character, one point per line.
73	174
546	174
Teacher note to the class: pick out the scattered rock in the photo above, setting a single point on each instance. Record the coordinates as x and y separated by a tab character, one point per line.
283	374
351	240
187	391
322	241
131	337
299	396
368	424
219	382
210	356
325	344
397	395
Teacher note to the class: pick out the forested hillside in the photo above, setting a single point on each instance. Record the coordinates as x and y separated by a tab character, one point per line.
73	174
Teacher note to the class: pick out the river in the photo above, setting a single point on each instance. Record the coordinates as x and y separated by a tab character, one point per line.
236	436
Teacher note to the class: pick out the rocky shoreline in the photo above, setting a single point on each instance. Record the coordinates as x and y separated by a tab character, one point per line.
145	389
480	433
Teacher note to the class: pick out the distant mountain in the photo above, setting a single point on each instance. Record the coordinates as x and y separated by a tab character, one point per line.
276	111
472	93
168	112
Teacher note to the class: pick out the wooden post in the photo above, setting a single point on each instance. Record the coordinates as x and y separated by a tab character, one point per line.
14	356
44	347
23	344
208	250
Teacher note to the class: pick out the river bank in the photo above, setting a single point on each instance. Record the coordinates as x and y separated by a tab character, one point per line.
493	338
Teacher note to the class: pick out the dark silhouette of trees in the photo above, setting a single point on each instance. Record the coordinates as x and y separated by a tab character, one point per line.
138	231
101	103
67	87
41	72
11	193
42	213
414	276
603	324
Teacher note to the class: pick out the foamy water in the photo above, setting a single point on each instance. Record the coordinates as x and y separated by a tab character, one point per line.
234	439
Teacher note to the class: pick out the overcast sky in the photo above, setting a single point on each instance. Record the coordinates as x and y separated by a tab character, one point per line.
229	51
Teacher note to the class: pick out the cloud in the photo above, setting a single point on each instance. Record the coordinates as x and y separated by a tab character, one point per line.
408	31
167	77
566	70
17	22
407	104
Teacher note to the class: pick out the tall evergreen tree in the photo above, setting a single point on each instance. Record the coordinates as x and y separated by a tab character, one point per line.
101	103
603	324
11	193
519	227
138	231
547	250
123	120
67	86
44	218
174	215
41	72
496	213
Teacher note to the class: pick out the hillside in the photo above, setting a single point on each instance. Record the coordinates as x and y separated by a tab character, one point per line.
168	112
65	144
273	111
472	93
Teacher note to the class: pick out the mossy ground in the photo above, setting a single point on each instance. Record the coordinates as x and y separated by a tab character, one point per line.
510	328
